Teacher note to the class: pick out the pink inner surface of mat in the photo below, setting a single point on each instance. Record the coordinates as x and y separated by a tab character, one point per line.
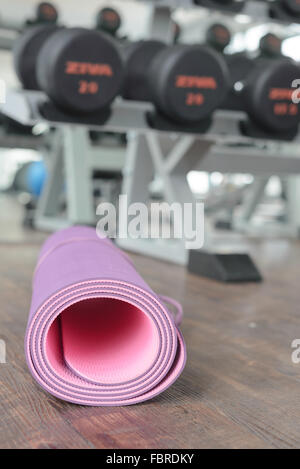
103	340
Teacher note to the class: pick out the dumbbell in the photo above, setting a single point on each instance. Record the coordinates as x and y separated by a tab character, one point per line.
266	94
26	50
218	36
108	20
285	10
137	59
270	46
185	83
80	70
240	66
46	13
188	83
224	5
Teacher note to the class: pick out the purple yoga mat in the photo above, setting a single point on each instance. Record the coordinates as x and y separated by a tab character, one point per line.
97	334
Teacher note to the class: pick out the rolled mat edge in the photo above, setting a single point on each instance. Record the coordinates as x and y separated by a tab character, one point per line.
97	334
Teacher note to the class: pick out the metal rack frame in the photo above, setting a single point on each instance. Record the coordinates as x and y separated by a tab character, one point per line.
169	155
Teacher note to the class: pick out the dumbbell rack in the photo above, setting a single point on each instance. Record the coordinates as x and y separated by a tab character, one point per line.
27	142
169	155
257	11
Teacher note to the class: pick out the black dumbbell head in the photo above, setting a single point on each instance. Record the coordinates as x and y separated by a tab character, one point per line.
226	5
26	50
80	70
270	45
138	57
285	10
188	82
240	66
218	36
292	5
109	20
46	13
268	95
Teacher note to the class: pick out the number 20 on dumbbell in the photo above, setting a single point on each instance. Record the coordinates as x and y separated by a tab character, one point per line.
88	69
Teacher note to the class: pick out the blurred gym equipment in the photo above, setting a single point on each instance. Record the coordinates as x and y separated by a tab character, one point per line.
285	10
80	70
179	129
46	13
267	95
262	88
138	57
240	66
218	36
270	46
188	83
30	178
224	267
108	20
26	51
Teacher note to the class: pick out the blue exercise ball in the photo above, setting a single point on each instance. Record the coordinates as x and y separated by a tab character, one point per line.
36	177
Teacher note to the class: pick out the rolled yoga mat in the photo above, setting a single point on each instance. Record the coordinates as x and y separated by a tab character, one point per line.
97	334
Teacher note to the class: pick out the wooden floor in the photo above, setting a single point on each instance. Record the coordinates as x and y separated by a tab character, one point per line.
239	389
